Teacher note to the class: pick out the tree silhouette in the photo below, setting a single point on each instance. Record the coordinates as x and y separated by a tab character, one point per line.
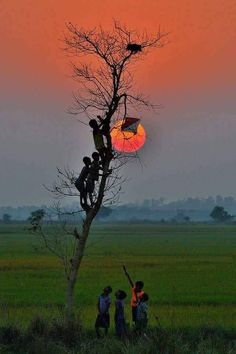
36	218
6	218
219	214
101	67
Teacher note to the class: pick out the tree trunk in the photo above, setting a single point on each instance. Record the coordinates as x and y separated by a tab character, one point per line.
81	243
69	300
76	262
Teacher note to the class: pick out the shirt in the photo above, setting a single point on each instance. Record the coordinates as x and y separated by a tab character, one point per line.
98	139
94	171
142	311
104	302
135	296
119	312
83	174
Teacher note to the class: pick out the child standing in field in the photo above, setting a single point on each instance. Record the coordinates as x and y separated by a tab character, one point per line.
103	317
120	326
141	315
137	292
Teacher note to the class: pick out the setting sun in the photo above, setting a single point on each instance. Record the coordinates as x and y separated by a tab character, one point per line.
127	141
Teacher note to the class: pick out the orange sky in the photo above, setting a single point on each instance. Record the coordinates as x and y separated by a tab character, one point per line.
201	48
190	148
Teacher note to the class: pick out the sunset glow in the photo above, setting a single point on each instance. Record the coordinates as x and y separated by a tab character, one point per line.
192	78
126	141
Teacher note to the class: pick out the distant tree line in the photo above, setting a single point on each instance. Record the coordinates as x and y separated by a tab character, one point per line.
218	209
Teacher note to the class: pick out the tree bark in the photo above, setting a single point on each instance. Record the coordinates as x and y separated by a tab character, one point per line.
81	243
76	262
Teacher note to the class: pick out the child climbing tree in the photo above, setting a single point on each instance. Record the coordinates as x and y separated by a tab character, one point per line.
101	68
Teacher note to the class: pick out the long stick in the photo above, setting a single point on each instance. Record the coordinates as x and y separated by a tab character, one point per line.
128	276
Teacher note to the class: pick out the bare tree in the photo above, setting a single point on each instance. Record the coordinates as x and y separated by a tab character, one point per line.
101	64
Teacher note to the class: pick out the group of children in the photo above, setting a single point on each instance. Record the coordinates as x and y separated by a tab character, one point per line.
89	174
85	183
139	308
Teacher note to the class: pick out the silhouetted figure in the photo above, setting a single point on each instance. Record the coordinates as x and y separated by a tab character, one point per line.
98	133
104	125
134	47
120	326
80	182
103	317
141	315
137	292
93	176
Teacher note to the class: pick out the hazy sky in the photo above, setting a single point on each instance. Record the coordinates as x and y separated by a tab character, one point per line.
190	149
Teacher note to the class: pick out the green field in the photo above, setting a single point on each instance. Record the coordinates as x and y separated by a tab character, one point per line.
189	273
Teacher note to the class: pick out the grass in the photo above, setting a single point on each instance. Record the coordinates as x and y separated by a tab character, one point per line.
58	338
189	272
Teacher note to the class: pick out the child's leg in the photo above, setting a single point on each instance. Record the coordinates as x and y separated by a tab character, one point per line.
91	198
102	153
89	190
97	332
83	198
121	329
97	325
107	322
134	313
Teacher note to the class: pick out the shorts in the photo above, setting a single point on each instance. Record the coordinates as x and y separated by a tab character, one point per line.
103	320
90	185
134	313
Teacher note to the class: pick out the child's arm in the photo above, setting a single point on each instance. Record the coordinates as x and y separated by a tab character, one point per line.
128	276
98	305
100	119
101	122
108	303
104	129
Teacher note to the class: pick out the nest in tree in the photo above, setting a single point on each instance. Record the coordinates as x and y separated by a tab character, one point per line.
134	47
